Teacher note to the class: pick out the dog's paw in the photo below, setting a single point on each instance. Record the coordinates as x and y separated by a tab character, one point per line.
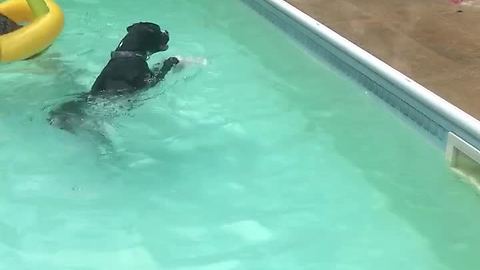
171	61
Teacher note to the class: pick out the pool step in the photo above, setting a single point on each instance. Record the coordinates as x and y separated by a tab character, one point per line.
463	158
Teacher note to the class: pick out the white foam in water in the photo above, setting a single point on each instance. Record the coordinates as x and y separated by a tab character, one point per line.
185	62
222	265
192	60
249	230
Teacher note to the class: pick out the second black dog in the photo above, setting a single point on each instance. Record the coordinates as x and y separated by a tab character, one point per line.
7	25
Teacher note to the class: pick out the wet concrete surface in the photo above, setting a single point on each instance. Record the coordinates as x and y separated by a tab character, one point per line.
427	40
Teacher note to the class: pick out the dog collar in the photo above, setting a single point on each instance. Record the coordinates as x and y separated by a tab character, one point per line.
127	54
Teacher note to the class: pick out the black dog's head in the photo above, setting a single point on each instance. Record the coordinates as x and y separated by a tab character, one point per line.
144	37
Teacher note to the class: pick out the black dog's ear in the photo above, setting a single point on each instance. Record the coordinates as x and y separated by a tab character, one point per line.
152	27
148	26
131	26
134	25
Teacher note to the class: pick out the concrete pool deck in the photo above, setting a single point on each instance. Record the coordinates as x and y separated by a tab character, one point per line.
427	40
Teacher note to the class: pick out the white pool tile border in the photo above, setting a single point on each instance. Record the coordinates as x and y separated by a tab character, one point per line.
417	103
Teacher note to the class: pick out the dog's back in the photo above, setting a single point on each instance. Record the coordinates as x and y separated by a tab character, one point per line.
125	74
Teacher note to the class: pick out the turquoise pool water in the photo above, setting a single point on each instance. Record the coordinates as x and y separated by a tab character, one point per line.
263	159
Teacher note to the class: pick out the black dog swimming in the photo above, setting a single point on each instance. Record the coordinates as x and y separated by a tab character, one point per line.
7	25
126	73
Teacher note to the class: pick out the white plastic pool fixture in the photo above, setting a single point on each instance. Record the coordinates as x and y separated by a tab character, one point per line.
464	159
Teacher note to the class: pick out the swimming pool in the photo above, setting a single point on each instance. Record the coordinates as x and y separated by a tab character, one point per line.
264	159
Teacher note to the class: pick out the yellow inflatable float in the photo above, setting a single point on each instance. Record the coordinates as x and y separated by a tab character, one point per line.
43	21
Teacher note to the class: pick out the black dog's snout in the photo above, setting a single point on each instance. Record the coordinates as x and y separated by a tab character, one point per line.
166	36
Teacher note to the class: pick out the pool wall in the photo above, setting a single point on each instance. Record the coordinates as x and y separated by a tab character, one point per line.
427	110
